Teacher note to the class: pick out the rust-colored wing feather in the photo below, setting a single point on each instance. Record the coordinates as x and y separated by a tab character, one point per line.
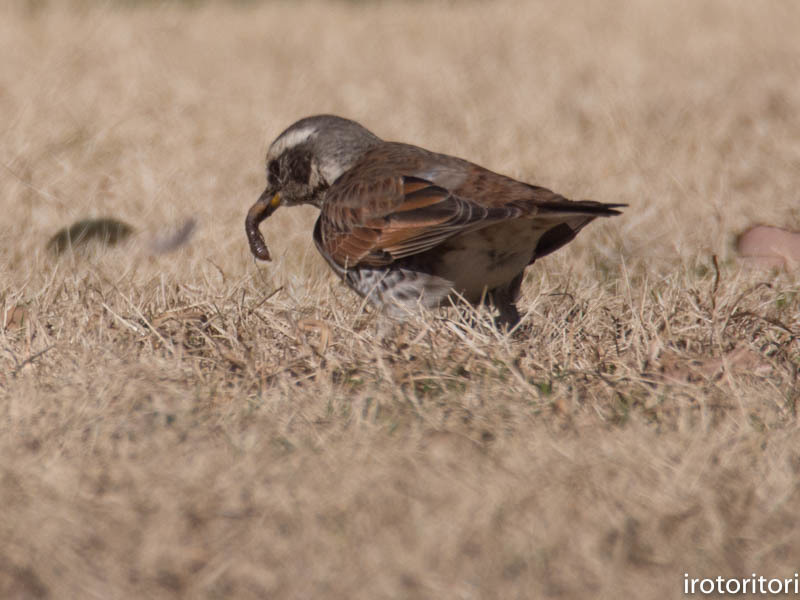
396	217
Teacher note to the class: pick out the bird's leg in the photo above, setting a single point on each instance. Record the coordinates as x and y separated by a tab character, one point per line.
504	298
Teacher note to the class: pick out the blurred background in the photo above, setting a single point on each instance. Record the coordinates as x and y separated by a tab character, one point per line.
188	423
156	110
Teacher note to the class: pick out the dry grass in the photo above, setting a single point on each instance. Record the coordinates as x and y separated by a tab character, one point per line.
196	425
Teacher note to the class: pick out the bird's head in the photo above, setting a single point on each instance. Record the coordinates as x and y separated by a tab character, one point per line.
309	156
302	163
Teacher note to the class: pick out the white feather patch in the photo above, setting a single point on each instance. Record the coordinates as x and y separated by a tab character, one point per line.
290	139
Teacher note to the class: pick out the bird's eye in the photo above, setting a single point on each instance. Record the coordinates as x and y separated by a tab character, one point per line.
300	166
273	172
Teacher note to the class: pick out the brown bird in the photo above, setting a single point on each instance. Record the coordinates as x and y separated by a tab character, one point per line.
403	226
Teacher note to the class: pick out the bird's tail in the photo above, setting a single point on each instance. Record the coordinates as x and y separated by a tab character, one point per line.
571	208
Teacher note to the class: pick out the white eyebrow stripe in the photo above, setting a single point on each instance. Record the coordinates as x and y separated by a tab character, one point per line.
289	140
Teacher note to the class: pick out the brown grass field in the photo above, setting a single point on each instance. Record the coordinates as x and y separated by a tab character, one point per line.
199	425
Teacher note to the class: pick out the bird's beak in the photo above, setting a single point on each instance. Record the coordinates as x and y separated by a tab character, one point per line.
263	208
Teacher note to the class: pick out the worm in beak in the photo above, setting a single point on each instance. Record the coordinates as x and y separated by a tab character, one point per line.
263	208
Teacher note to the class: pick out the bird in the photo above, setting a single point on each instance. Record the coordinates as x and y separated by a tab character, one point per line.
405	227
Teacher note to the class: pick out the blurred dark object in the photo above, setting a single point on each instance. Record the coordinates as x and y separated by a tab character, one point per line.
107	232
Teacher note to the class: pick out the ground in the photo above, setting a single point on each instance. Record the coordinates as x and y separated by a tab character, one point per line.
195	424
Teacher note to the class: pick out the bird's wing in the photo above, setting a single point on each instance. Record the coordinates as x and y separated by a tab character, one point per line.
402	200
384	220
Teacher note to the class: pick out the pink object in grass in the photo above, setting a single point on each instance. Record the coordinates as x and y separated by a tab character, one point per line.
770	246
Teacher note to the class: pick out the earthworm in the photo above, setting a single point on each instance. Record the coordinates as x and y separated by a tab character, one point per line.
263	208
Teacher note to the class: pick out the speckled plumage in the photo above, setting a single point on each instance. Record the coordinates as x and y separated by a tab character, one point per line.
404	226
